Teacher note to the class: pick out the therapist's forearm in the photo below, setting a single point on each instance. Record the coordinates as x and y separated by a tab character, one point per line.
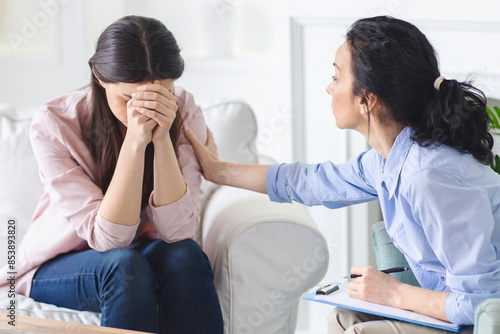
423	301
246	176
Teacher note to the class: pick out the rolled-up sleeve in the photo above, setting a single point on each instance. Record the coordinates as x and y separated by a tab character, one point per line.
327	184
458	223
71	190
175	221
111	235
179	220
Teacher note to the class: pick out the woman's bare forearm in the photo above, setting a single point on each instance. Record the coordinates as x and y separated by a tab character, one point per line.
169	184
122	202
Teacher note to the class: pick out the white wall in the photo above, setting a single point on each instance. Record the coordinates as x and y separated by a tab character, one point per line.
49	57
54	58
45	46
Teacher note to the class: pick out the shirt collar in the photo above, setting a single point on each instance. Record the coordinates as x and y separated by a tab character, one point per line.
396	160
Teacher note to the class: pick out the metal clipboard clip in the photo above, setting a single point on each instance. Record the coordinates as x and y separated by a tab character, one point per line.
327	289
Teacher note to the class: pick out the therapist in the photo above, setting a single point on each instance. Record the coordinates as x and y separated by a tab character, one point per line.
428	168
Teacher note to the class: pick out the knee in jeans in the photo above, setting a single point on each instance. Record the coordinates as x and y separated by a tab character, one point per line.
185	255
128	266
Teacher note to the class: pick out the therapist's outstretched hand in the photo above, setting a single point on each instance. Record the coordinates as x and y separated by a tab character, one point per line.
245	176
206	154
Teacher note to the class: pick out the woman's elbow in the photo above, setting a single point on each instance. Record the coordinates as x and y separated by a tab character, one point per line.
180	231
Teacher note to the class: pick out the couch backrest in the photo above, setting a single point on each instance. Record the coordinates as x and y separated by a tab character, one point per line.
234	126
232	122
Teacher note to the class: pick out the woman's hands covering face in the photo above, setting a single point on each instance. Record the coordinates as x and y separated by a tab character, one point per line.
157	103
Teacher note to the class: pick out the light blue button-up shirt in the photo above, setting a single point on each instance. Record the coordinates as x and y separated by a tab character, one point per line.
441	209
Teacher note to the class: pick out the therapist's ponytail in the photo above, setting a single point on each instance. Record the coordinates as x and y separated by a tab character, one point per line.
393	60
456	116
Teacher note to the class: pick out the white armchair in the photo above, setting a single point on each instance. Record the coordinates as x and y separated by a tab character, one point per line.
264	255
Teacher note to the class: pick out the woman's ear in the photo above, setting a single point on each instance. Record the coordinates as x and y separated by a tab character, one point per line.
95	77
367	103
102	83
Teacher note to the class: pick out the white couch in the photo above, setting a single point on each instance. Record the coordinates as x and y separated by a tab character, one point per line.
264	255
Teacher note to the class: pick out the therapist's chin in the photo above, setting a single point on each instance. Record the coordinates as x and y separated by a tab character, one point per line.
339	124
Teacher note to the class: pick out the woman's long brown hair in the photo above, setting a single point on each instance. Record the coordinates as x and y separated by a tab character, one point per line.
132	49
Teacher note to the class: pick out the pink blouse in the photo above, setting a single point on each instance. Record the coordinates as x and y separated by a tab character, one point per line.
67	216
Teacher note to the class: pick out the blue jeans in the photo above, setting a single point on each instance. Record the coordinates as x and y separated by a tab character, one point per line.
156	287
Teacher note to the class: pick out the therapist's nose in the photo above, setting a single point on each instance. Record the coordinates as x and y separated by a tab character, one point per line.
329	88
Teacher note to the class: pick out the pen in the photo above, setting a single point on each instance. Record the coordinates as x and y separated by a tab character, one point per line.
386	271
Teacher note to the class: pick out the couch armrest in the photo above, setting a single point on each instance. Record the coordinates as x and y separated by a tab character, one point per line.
487	317
264	255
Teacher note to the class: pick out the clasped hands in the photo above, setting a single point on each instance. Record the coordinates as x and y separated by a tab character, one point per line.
151	112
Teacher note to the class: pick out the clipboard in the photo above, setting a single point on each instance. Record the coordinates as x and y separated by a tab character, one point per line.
342	299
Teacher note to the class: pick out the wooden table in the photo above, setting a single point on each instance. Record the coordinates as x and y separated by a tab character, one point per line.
34	325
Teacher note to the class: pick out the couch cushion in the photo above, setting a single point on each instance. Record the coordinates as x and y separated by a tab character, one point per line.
29	307
19	180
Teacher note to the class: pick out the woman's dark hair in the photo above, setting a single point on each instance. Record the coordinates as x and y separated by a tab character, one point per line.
394	60
132	49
